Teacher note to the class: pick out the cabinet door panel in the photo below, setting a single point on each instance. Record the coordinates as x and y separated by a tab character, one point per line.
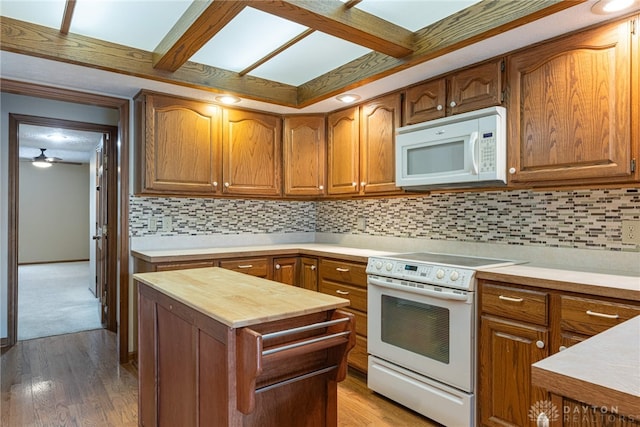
285	270
425	102
304	156
343	162
475	88
570	109
507	350
252	153
379	120
309	273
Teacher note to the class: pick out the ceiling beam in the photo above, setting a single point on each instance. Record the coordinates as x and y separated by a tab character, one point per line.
43	42
350	24
69	6
478	22
197	25
277	51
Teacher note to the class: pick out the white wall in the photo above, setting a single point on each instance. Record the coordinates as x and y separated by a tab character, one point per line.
10	103
54	213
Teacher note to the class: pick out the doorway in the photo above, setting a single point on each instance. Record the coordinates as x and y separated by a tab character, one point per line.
58	234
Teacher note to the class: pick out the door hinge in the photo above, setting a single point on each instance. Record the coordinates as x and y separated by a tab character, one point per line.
502	65
633	165
502	96
633	26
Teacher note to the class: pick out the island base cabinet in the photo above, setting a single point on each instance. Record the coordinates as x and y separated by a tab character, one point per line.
196	371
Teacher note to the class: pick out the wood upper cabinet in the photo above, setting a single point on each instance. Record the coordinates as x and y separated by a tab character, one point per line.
466	90
361	153
343	152
178	145
252	146
573	109
304	155
379	119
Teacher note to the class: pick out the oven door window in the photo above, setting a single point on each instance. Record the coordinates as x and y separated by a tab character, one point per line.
416	327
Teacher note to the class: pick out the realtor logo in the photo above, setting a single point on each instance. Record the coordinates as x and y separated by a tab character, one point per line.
543	412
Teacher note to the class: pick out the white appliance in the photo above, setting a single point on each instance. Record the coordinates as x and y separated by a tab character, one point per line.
421	332
464	150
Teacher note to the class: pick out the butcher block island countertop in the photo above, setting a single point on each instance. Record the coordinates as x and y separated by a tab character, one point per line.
236	299
222	348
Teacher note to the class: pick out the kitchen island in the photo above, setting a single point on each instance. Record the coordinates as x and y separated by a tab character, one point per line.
221	348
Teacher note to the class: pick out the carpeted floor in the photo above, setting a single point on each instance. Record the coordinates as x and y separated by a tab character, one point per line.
55	299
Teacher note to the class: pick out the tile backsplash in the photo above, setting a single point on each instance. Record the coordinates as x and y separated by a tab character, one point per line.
582	219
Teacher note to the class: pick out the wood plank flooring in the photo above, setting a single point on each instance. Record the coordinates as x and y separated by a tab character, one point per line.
75	380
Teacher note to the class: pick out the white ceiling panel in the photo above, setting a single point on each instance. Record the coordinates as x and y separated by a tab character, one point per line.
136	23
311	57
245	40
48	13
414	14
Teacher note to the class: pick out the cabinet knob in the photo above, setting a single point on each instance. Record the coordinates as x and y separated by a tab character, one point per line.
562	348
439	107
313	267
277	266
215	183
540	344
226	184
452	104
363	183
512	170
321	187
353	184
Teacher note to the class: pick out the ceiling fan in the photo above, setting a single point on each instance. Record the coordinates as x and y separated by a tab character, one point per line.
44	161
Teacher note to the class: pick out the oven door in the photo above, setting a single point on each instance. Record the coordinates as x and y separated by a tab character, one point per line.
430	333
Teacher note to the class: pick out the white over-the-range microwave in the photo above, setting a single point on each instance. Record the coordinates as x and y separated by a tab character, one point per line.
465	150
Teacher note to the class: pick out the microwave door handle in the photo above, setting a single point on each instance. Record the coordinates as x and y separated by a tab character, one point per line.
474	159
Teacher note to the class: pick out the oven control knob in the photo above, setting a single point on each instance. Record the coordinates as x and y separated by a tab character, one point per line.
378	265
389	266
440	274
454	276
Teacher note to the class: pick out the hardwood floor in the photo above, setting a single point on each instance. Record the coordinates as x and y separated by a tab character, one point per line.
75	380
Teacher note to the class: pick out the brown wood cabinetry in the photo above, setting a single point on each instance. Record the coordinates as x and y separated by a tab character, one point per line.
514	333
466	90
361	147
304	156
177	145
252	159
285	270
258	266
573	109
520	325
349	280
308	278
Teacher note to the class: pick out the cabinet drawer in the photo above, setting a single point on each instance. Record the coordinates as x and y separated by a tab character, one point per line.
514	303
358	356
253	266
345	272
357	296
361	320
183	265
591	316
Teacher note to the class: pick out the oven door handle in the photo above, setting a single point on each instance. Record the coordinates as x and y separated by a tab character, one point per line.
422	291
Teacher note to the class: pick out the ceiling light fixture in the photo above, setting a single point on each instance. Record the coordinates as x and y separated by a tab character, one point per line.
228	99
41	161
602	7
348	98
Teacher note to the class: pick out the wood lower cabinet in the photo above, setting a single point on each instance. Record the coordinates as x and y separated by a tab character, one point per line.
520	325
470	89
256	266
252	153
285	270
304	156
573	109
513	335
348	279
580	414
178	147
308	278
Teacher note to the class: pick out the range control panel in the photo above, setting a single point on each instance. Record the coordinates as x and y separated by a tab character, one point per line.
435	274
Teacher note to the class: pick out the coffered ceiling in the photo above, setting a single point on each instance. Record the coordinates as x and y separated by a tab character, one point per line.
290	53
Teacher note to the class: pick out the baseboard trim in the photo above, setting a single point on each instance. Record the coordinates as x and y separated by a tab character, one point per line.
4	342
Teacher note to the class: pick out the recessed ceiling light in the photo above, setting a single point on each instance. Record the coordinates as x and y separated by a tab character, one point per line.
228	99
603	7
57	136
348	98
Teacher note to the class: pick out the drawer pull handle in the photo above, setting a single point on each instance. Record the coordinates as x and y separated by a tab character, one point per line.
338	291
606	316
342	270
511	299
245	266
